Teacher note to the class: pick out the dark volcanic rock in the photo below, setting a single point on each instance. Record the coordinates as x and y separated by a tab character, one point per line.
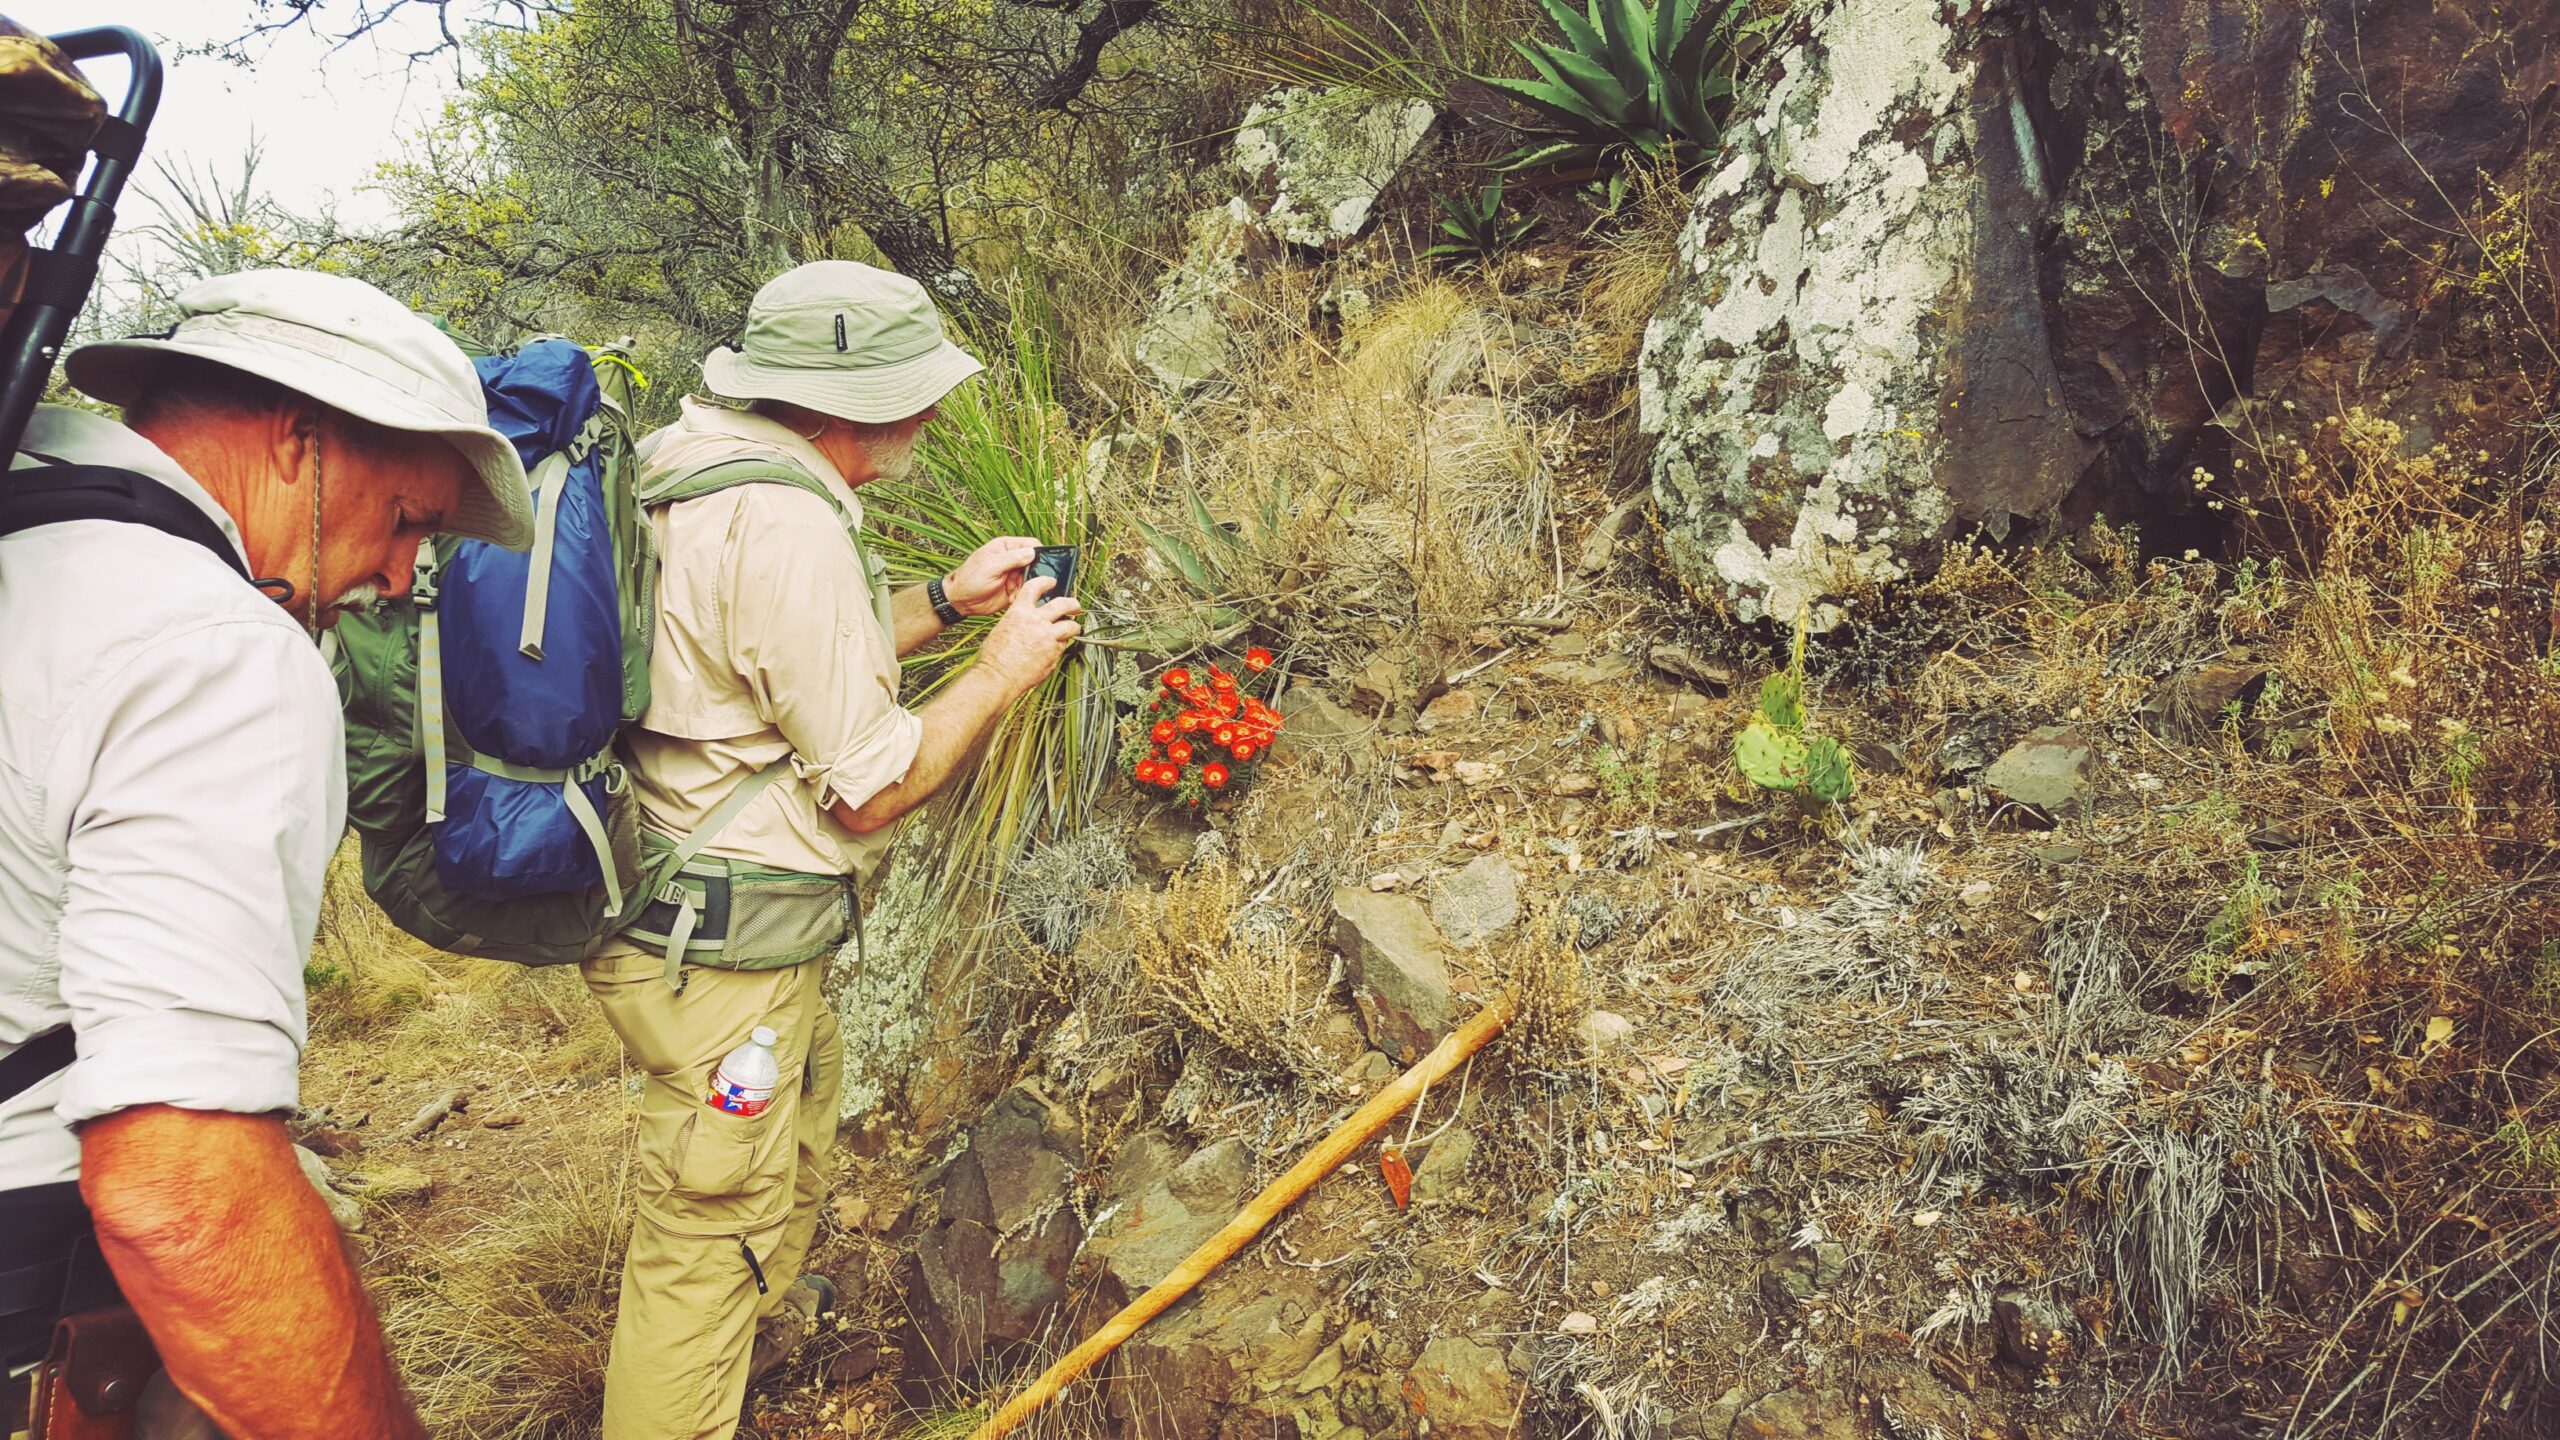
989	1274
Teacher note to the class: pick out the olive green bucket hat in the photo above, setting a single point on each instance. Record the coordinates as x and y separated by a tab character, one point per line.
844	339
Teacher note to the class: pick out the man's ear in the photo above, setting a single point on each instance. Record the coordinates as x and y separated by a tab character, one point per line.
292	435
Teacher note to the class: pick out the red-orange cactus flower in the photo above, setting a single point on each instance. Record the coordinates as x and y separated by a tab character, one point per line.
1179	752
1177	679
1213	776
1163	733
1246	750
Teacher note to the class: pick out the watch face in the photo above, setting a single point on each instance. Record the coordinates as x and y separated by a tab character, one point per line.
1058	562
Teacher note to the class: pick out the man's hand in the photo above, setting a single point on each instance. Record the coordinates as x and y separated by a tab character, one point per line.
987	581
1018	654
231	1259
1032	637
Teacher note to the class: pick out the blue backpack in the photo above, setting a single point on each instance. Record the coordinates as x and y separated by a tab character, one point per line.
482	707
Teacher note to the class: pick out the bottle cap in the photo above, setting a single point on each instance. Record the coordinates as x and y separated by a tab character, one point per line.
764	1036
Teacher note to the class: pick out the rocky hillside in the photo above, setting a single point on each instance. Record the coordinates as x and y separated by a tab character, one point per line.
2124	426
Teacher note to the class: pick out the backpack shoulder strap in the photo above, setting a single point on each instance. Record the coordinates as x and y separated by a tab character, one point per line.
50	494
728	474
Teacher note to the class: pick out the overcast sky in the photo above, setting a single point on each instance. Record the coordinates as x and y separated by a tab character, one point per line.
324	120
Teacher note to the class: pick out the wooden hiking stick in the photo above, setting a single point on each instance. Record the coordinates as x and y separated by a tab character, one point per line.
1323	1160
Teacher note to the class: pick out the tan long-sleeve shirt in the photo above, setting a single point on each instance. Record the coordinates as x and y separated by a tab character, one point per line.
768	646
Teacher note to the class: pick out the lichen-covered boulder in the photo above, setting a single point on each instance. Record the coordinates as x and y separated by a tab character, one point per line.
1326	155
1847	371
1967	269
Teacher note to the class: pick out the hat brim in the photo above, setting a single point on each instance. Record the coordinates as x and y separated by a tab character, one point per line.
499	510
870	395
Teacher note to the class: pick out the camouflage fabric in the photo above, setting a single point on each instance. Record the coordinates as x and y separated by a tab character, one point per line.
47	115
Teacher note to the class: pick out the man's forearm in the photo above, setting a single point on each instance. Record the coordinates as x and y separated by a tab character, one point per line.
912	611
953	724
235	1267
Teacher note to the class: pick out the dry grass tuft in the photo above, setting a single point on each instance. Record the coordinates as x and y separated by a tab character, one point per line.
503	1332
1202	963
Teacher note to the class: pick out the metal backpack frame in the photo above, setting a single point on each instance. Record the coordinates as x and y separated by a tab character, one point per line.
60	277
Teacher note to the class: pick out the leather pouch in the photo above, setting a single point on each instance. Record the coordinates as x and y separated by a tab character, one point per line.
90	1379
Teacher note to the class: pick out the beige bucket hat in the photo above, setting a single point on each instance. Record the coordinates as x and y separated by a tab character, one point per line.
350	347
844	339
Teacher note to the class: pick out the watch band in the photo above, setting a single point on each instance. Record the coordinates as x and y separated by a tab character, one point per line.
942	606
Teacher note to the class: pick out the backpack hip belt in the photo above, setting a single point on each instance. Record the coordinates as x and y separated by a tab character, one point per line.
732	915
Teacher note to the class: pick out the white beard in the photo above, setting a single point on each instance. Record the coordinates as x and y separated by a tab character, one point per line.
359	599
895	462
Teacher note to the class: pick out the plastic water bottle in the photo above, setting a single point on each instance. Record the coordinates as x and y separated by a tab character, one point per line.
743	1085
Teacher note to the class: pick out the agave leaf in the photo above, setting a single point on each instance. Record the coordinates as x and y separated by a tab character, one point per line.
1179	555
1550	153
1557	101
1700	50
1208	523
1453	252
1518	228
1592	81
1577	27
1626	28
1687	113
1671	22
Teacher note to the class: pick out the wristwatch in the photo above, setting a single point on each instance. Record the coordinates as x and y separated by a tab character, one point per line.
942	606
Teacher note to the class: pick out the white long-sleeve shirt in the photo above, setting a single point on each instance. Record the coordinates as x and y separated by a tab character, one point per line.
172	782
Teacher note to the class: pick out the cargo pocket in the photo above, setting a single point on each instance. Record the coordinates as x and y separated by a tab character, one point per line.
727	1173
715	1156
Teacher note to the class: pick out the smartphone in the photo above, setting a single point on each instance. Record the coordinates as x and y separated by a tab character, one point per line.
1058	562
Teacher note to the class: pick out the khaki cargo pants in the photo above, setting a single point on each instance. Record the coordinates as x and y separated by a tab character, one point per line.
714	1187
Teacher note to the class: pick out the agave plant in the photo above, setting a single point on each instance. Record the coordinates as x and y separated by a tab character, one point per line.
1001	461
1476	226
1630	77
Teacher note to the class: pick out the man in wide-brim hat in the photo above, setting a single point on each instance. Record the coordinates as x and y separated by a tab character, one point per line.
176	788
776	751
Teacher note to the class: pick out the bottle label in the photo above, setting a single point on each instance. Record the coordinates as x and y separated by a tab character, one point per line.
736	1099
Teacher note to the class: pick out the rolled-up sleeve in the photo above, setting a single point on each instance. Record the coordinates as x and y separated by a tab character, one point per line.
198	847
796	609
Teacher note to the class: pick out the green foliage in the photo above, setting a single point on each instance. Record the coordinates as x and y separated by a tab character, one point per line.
1627	77
1775	753
1000	460
1476	226
1626	782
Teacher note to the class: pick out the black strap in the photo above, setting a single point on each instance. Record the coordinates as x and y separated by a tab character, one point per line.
42	1057
51	494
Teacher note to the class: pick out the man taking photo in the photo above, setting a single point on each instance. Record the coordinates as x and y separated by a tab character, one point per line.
775	745
172	785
